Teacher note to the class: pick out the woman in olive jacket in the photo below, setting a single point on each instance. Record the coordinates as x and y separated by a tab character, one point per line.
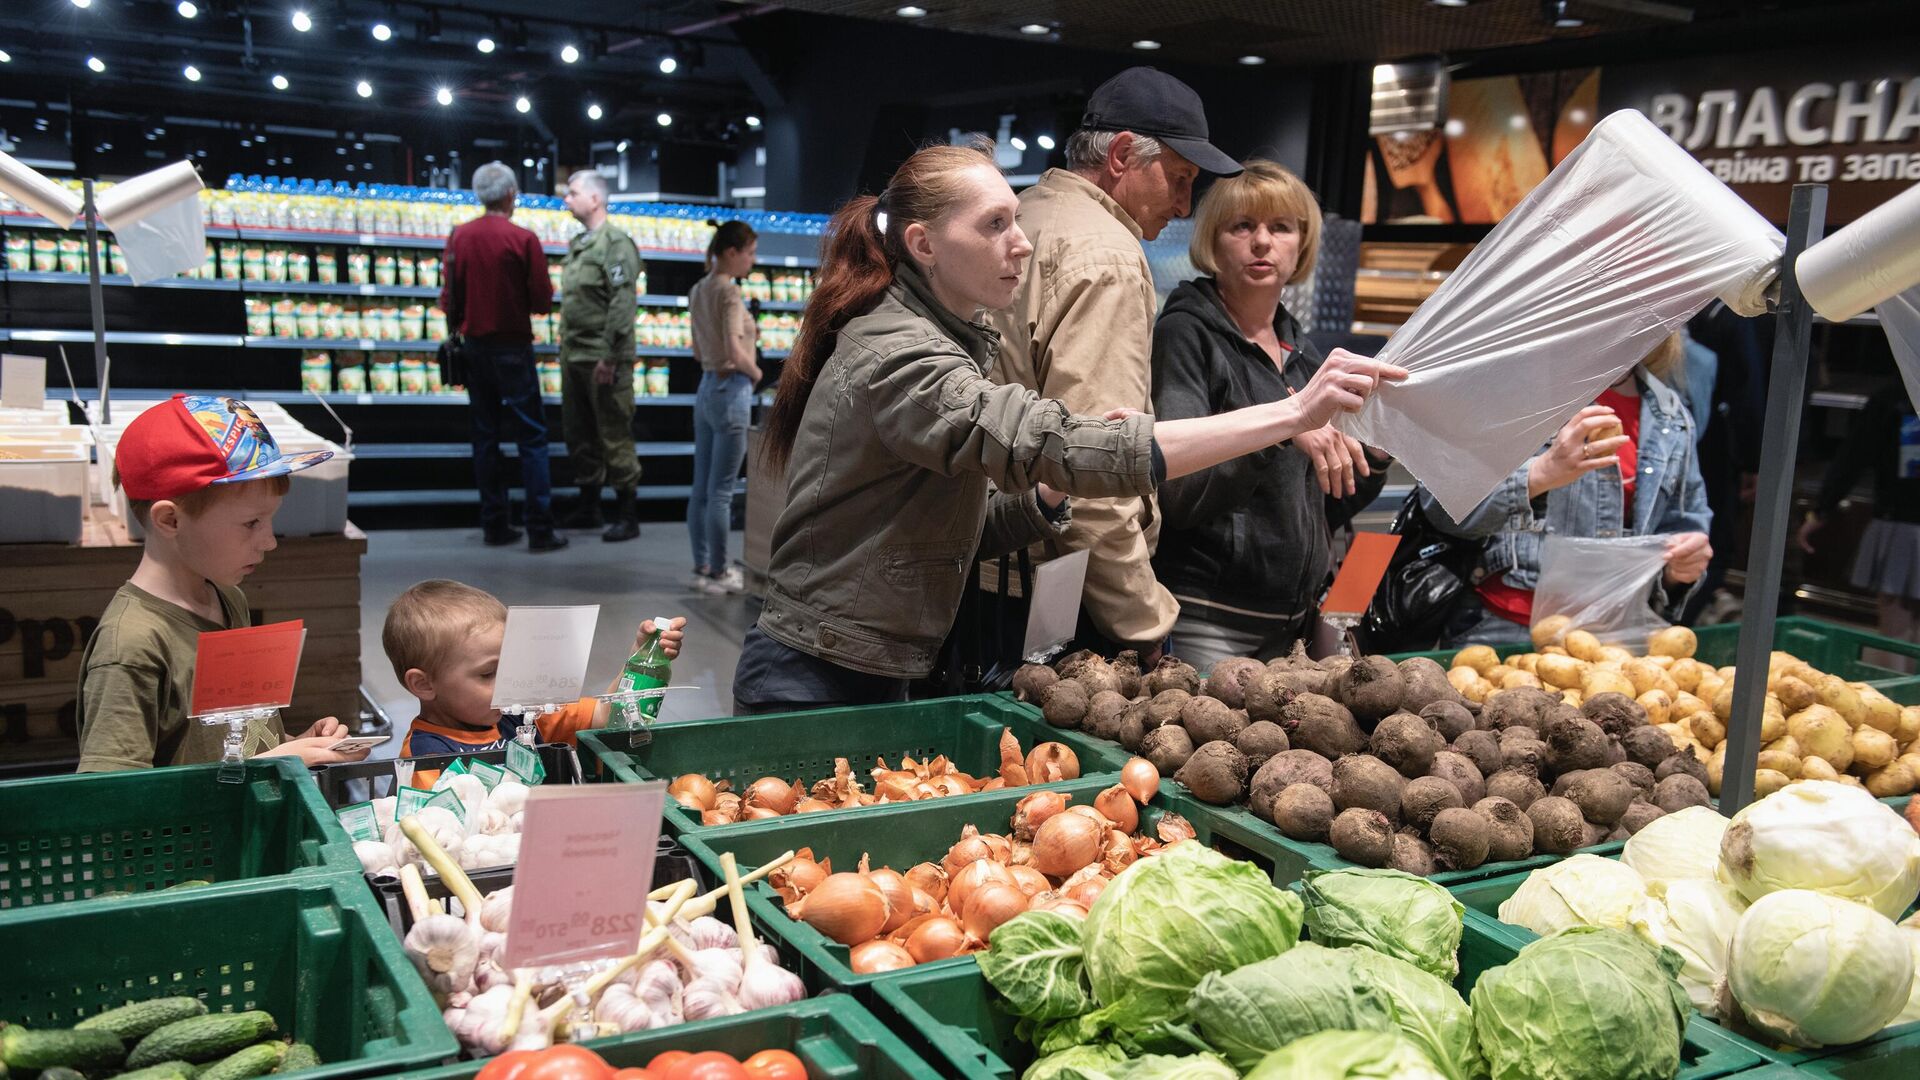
891	433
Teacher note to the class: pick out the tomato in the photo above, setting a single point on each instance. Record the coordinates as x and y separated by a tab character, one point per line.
508	1066
711	1065
775	1065
666	1060
567	1062
634	1074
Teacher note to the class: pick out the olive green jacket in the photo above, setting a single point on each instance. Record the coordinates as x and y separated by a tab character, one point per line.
888	483
597	300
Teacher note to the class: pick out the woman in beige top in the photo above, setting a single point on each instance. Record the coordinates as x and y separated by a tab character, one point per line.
723	342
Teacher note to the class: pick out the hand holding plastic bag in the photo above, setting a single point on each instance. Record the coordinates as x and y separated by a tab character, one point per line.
1604	586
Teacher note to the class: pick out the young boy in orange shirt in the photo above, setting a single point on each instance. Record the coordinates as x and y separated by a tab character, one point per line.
443	639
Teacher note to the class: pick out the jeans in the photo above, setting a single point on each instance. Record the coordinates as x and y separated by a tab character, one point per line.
720	412
504	391
1203	643
775	677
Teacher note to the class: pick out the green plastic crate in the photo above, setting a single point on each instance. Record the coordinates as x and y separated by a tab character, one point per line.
743	749
834	1037
314	952
910	833
1888	1059
72	837
953	1019
1486	896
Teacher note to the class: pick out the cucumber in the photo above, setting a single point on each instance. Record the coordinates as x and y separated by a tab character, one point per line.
86	1051
258	1060
195	883
166	1070
299	1056
131	1023
202	1038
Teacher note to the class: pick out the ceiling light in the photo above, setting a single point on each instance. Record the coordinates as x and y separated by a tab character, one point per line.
1566	22
1036	29
443	95
187	9
1253	61
1146	44
668	65
911	12
1045	141
5	57
522	104
1448	3
753	121
83	4
381	31
664	119
1019	143
569	54
593	111
246	142
301	22
527	161
485	44
192	73
97	65
622	148
279	82
363	88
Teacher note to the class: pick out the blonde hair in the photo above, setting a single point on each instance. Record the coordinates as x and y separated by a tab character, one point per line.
428	620
1266	190
1664	361
197	502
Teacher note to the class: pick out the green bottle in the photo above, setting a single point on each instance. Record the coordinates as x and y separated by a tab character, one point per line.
646	669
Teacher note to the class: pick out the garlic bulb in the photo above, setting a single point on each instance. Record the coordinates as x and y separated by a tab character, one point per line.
439	823
481	850
471	792
376	857
478	1026
707	932
621	1009
721	965
488	820
704	999
764	985
386	813
444	950
495	911
510	797
769	954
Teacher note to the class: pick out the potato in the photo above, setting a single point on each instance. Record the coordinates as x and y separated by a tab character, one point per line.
1882	713
1573	697
1814	768
1723	702
1837	695
1602	681
1766	782
1708	688
1555	650
1822	733
1708	729
1518	678
1461	678
1659	705
1480	691
1583	645
1674	641
1794	695
1481	658
1773	724
1643	675
1726	673
1560	672
1685	704
1911	756
1550	630
1498	672
1663	662
1678	732
1785	744
1526	662
1891	780
1909	727
1873	748
1780	763
1613	654
1850	780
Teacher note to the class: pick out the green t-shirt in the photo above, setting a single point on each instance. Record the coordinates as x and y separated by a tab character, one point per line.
136	684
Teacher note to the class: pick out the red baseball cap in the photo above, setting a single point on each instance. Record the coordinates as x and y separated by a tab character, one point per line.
191	441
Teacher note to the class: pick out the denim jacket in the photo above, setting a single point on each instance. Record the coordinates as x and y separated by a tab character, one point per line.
1669	497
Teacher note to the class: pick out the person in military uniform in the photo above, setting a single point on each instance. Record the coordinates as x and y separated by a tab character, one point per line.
596	360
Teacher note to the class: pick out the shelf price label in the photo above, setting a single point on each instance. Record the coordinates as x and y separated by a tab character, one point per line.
367	343
369	239
366	290
586	864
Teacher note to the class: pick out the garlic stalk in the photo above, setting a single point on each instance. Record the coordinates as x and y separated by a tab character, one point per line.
549	1018
455	878
762	985
522	990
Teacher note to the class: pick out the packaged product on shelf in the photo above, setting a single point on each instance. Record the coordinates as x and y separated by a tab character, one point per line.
542	330
413	323
413	376
316	372
385	378
639	379
253	263
230	260
658	382
427	274
351	378
73	256
19	253
391	325
299	266
307	314
329	320
383	270
286	322
643	328
210	267
757	287
46	254
325	270
557	272
433	378
259	317
550	377
641	284
219	208
359	267
276	263
403	270
349	321
436	324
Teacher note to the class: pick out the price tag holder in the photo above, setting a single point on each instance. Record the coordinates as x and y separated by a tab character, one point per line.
249	668
1360	574
543	655
586	864
23	382
1053	612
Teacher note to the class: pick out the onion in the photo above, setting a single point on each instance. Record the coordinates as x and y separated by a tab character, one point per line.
693	791
1066	843
1141	779
846	907
936	939
930	879
759	813
1055	756
811	805
802	875
1120	852
1029	881
972	877
994	904
923	901
1091	814
773	793
1118	807
716	817
1085	892
994	784
871	956
999	848
897	787
899	897
1053	901
1033	811
969	849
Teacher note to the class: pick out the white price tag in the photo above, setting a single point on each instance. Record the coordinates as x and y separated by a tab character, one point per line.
363	399
367	343
543	655
586	865
366	290
790	261
369	238
23	382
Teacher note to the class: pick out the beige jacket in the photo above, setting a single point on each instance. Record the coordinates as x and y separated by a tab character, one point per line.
1081	331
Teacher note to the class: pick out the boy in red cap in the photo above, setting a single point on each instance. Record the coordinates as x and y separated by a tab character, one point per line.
203	477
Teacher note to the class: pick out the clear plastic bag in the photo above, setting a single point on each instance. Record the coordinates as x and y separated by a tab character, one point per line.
156	219
1900	317
1603	586
1624	241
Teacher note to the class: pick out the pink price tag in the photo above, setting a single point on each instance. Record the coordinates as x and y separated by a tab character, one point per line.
586	865
252	667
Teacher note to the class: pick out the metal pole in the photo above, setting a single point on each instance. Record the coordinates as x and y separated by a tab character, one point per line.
99	303
1780	444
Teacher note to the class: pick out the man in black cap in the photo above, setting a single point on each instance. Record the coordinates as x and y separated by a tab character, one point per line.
1081	327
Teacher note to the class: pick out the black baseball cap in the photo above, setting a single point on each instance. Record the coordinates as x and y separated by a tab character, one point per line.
1148	101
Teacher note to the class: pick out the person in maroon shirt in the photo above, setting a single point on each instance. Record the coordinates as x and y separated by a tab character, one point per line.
495	281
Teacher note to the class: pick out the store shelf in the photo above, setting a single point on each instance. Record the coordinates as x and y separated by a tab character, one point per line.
342	343
35	221
302	397
47	277
124	337
456	451
320	288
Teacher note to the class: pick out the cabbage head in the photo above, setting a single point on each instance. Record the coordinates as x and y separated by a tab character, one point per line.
1585	890
1347	1055
1249	1013
1094	1062
1695	919
1828	837
1586	1003
1388	911
1166	922
1816	970
1169	1067
1912	1011
1037	964
1678	846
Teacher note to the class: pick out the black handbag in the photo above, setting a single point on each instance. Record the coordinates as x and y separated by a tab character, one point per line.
1427	581
982	651
452	356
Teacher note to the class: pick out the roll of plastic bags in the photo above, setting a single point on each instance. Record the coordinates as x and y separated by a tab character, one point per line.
1900	317
37	193
1622	243
1875	258
156	218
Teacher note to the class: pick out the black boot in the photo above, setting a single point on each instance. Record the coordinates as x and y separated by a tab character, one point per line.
626	519
585	513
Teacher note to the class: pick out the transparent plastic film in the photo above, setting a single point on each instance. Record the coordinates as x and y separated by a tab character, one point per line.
156	219
1900	317
1622	243
1602	585
1870	261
